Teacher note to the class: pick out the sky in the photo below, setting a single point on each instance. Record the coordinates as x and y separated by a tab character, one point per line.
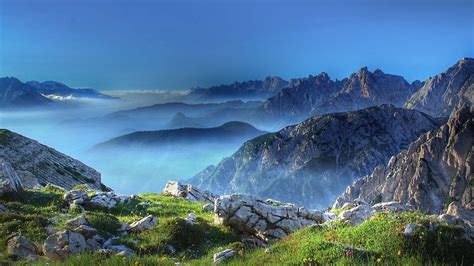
179	44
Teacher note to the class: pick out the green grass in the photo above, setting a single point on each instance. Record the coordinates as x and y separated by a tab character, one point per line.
377	240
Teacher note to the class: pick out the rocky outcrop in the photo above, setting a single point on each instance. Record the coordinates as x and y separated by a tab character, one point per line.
9	180
107	200
312	162
62	244
446	92
144	224
433	172
176	189
21	247
32	159
260	220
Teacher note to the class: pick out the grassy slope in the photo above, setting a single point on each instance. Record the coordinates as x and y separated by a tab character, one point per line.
379	239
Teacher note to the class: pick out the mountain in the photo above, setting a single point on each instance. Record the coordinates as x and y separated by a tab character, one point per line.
231	131
312	162
180	120
55	89
442	94
433	172
14	93
319	94
37	164
247	90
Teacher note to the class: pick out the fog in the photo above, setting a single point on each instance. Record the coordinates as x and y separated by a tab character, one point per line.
75	130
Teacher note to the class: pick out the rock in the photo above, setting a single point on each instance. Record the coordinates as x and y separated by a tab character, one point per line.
20	247
3	209
261	220
144	224
120	250
124	227
435	167
55	187
125	253
410	229
76	222
223	256
391	206
28	180
208	207
176	189
268	250
466	225
107	200
456	209
55	220
77	195
191	218
62	244
86	231
171	249
109	242
9	179
356	215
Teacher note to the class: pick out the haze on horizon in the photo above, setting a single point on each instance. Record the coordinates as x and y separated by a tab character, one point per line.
182	44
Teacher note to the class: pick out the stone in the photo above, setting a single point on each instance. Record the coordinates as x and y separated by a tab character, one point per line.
20	247
107	200
261	220
76	222
208	207
144	224
3	208
75	195
63	244
456	209
391	206
191	218
410	229
356	215
120	250
86	231
171	249
9	179
176	189
223	256
109	242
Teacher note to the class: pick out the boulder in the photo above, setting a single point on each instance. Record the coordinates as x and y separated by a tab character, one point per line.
86	231
176	189
62	244
120	250
356	215
76	222
107	200
20	247
223	256
410	229
191	218
456	209
144	224
261	220
77	195
9	179
391	206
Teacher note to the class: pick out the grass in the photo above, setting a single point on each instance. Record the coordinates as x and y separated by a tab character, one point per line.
377	240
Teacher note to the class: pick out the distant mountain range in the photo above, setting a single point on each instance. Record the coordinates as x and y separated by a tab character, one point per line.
17	94
228	132
312	162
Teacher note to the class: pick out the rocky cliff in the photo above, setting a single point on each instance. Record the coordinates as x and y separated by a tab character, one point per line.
311	163
448	91
38	165
433	172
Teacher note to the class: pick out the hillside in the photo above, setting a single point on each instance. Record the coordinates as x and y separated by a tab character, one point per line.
318	157
14	93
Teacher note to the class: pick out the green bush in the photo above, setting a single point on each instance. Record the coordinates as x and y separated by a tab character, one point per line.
106	224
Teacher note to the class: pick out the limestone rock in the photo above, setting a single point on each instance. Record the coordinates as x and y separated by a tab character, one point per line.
223	256
20	247
86	231
75	196
76	222
62	244
176	189
144	224
9	180
107	200
410	229
257	218
356	215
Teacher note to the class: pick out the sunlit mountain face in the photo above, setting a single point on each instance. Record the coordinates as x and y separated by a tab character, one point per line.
236	132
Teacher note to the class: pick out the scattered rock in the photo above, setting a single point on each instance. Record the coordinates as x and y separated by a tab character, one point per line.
208	207
391	206
144	224
223	255
120	250
191	218
410	229
176	189
268	250
74	196
62	244
109	242
107	200
86	231
457	210
356	215
76	222
266	222
20	247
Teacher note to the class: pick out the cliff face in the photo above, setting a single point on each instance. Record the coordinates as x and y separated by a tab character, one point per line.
37	164
448	91
311	163
433	172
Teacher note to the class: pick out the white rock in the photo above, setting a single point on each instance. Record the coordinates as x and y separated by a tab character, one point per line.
223	255
191	218
144	224
62	244
176	189
410	229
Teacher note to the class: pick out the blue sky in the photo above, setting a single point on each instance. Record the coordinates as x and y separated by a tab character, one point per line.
140	44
